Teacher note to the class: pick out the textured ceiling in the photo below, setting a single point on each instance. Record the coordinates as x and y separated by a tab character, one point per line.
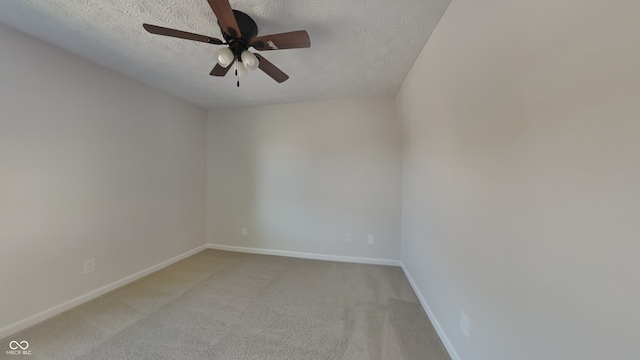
358	47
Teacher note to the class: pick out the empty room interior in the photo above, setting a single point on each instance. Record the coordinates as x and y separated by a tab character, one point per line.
411	179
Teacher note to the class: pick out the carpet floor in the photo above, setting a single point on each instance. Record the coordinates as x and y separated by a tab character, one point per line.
226	305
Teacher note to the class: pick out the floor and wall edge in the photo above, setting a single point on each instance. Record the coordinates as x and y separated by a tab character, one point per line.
389	262
60	308
443	337
303	255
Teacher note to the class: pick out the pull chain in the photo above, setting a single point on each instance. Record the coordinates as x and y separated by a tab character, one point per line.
237	60
238	77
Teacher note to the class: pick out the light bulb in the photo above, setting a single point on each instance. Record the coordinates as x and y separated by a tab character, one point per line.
242	70
249	60
224	56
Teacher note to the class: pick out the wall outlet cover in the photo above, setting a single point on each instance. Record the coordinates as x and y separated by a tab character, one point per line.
89	266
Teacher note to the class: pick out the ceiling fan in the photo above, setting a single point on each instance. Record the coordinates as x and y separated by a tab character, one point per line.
240	33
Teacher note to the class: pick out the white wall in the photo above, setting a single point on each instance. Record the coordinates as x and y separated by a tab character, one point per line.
300	176
92	165
521	178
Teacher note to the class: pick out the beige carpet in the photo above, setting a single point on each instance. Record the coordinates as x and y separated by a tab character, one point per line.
224	305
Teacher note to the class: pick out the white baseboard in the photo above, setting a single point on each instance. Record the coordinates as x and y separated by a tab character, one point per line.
443	337
58	309
302	255
51	312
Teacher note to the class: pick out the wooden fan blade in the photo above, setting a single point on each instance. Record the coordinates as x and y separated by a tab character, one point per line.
159	30
218	70
226	19
288	40
271	69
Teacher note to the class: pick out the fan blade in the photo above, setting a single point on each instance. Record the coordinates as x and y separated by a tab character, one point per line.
271	69
218	70
226	19
159	30
288	40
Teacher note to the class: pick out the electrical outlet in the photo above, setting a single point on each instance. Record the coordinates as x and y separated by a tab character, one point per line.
370	239
244	231
464	323
348	238
89	266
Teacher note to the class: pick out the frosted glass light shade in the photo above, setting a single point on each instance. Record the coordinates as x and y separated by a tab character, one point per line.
249	60
224	56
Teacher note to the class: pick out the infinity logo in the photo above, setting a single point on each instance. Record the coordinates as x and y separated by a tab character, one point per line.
22	345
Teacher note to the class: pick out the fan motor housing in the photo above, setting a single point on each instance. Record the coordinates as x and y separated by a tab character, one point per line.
248	29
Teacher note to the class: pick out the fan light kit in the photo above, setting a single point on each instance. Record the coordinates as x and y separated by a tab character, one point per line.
240	33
